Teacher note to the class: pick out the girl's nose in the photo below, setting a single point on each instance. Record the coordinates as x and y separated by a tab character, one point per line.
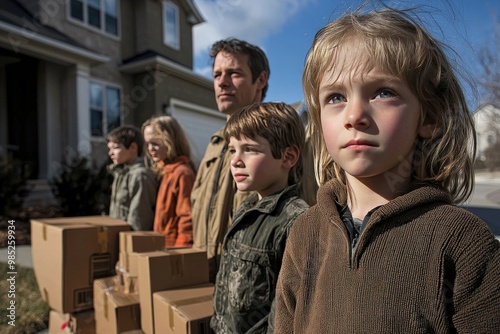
356	115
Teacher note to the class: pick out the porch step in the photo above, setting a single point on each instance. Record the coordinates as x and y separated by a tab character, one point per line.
40	194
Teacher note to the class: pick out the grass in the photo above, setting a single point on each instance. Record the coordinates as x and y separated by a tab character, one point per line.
31	312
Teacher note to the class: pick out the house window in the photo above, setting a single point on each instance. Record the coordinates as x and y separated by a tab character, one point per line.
171	25
104	108
98	14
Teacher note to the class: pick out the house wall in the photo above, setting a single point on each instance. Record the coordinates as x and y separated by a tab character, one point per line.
132	26
487	128
142	27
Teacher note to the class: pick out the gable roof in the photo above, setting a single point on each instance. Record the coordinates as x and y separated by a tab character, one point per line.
195	15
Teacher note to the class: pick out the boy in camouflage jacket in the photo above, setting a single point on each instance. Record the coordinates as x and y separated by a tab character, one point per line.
265	141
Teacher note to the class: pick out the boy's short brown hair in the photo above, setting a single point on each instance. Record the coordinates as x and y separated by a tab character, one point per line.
278	123
126	135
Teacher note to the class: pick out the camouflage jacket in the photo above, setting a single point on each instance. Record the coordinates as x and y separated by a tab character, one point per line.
252	253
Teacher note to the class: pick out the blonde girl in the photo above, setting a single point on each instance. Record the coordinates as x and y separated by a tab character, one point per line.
169	155
386	250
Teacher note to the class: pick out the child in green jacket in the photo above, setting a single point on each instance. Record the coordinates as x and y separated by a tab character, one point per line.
265	141
133	192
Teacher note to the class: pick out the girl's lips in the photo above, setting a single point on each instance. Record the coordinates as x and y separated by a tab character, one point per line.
358	143
239	177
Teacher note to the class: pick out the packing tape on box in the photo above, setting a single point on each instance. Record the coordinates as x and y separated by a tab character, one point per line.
182	302
105	300
176	264
102	238
46	294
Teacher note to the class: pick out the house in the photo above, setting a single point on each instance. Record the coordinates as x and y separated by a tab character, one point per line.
72	70
487	123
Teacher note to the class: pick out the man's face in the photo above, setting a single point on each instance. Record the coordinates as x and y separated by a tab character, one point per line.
233	84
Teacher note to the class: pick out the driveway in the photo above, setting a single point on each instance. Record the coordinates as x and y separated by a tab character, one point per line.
485	201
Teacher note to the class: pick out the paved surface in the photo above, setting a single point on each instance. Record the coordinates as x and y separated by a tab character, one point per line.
484	202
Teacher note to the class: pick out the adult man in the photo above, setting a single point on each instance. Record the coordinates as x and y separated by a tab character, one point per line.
241	73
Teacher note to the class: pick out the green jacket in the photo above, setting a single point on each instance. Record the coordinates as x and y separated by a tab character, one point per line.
133	195
252	253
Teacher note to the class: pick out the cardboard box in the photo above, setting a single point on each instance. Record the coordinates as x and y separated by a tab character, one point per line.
141	241
169	269
184	311
125	281
69	253
71	323
128	261
115	311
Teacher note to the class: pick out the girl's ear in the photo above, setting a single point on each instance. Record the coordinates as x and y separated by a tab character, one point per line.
290	157
427	131
429	128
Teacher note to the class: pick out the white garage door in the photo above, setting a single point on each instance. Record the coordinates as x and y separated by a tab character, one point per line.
199	123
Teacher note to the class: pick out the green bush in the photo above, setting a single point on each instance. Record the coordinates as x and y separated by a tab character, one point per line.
14	187
81	187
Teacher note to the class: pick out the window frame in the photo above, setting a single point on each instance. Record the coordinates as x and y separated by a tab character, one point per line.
85	22
104	117
167	4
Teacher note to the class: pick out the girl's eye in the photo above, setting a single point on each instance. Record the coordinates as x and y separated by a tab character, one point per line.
385	93
336	98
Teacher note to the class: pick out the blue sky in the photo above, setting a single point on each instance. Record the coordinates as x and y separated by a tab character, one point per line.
284	29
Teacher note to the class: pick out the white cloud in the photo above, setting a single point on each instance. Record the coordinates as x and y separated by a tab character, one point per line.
252	21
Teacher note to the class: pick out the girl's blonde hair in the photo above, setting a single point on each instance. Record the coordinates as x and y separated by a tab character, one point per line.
398	45
171	134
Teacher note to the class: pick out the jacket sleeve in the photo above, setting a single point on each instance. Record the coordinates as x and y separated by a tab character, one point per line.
476	287
142	189
287	287
183	210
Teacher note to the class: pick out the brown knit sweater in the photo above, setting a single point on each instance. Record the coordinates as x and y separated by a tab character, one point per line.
421	265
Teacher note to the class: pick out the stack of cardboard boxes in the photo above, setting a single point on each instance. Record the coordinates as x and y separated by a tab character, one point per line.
100	277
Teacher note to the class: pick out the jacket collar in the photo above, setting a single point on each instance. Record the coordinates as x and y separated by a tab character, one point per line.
417	194
268	204
125	168
168	168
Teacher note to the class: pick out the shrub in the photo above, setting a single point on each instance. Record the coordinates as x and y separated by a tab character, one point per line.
14	187
81	187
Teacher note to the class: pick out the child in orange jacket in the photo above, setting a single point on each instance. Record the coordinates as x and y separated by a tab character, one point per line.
169	154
